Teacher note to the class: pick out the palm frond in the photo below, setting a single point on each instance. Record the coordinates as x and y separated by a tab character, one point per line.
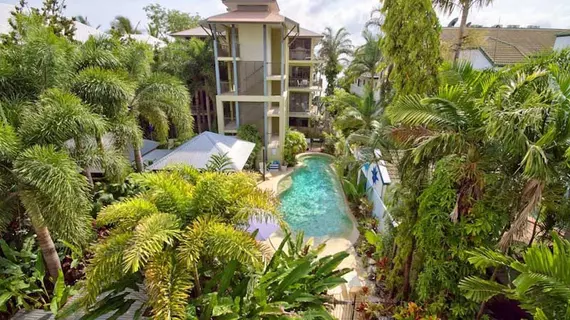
150	236
167	284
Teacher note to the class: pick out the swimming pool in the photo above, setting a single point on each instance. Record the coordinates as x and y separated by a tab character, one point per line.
314	201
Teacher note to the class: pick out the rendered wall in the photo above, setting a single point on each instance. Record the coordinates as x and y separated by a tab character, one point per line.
477	59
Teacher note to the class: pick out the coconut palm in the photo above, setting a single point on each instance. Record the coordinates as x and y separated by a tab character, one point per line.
182	219
367	58
542	281
465	6
376	18
334	46
123	26
360	115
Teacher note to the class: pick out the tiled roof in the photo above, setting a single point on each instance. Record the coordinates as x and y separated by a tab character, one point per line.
309	34
504	46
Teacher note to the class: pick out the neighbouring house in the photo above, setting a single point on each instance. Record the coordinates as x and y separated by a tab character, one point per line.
198	151
358	87
265	70
496	47
82	31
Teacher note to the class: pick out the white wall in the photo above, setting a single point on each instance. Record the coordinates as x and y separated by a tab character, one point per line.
477	59
562	42
359	91
251	42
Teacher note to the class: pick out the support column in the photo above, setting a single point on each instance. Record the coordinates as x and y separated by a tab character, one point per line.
220	115
234	54
219	104
265	132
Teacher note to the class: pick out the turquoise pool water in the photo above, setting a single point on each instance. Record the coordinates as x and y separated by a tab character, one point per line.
315	201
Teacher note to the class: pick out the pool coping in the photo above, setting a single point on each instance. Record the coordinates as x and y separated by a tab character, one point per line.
354	234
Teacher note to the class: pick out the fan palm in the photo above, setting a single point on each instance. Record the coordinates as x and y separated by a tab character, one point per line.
465	6
181	219
334	46
542	284
123	26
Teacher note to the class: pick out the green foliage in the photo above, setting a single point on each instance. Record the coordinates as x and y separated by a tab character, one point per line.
219	163
293	284
22	276
411	44
250	133
164	21
181	226
334	48
541	284
295	143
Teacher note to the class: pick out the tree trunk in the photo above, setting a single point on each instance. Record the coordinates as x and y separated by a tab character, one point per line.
408	271
534	228
197	285
139	165
48	251
100	143
461	33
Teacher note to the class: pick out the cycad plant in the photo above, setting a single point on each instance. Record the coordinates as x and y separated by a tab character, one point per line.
182	228
542	284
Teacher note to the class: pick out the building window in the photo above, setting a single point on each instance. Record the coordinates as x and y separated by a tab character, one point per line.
298	122
300	49
299	102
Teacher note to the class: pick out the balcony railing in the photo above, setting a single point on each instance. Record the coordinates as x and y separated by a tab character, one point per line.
299	107
300	54
299	82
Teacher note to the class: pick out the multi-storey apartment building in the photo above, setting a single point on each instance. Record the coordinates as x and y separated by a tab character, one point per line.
265	70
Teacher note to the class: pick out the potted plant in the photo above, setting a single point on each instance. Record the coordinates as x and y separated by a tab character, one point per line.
284	166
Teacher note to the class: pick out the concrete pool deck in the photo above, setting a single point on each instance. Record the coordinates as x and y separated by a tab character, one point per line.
355	279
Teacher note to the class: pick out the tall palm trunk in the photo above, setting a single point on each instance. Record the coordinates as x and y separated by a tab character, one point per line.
461	33
48	250
138	159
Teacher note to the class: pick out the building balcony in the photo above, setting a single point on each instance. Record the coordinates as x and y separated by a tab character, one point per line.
302	82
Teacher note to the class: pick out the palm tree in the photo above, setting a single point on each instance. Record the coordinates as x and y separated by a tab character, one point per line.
47	185
123	26
360	115
333	47
132	93
376	18
166	234
541	284
367	58
465	5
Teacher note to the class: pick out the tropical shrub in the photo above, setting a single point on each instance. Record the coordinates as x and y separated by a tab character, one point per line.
295	143
23	280
250	133
542	281
182	227
293	285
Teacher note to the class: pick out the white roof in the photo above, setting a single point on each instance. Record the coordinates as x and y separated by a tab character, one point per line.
5	15
198	151
82	32
146	38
